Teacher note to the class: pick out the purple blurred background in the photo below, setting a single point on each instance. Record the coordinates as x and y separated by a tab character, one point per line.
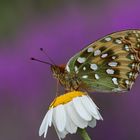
62	28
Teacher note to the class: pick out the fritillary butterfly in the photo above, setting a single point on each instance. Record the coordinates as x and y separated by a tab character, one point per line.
110	64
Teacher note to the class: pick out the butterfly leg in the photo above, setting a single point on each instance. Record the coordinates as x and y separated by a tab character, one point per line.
77	88
57	88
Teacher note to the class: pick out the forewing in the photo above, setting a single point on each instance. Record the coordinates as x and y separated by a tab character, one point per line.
109	64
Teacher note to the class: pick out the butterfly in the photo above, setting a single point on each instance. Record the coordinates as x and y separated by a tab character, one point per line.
110	64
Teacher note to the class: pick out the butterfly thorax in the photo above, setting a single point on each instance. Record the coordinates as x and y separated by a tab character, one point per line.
69	80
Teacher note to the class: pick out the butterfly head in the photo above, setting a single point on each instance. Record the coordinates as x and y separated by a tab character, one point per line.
57	70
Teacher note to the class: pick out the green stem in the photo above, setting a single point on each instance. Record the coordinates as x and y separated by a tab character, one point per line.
84	134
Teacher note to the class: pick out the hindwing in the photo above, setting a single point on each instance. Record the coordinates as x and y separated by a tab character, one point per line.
110	64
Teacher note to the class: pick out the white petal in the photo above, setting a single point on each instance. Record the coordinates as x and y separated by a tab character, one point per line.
77	120
60	117
90	107
63	134
44	126
49	121
101	118
93	102
46	122
60	134
56	130
81	110
50	117
92	123
70	126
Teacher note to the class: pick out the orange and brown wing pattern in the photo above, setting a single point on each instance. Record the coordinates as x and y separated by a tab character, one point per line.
126	51
109	64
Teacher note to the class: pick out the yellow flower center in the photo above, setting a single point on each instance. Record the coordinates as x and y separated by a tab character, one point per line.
65	98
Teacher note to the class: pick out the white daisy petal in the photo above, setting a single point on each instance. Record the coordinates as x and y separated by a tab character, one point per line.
49	121
69	112
77	120
91	108
92	102
44	126
92	123
70	126
45	123
63	134
50	117
81	110
60	117
101	118
58	133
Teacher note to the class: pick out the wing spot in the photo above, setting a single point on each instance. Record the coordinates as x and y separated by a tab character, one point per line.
115	81
113	57
104	55
93	66
127	82
85	76
113	64
110	71
81	59
97	52
108	39
118	41
67	68
97	76
138	45
84	68
90	49
126	47
137	35
134	32
130	74
132	57
133	65
76	69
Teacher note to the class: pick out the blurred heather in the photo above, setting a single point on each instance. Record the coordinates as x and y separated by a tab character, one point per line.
62	28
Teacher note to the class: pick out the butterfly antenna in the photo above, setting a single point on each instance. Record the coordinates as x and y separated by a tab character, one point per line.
32	58
41	49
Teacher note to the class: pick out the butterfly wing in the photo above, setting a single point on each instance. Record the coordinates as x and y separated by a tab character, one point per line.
110	64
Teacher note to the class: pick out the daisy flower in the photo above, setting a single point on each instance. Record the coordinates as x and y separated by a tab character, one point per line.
70	112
